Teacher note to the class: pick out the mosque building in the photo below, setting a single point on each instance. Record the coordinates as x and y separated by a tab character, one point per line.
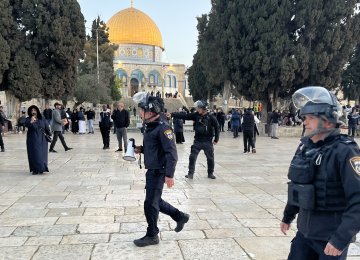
138	59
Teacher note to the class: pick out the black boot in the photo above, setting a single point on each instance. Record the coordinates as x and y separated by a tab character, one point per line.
2	149
189	176
211	176
147	241
180	224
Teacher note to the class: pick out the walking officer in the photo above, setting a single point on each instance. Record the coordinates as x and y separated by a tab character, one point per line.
206	127
324	187
160	157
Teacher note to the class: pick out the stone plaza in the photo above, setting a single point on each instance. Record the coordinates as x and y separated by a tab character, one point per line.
90	205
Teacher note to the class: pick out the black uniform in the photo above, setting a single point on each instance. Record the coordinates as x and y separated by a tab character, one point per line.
206	128
160	159
2	123
325	192
105	123
248	131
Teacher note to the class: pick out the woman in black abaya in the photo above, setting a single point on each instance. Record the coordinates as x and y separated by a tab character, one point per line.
36	143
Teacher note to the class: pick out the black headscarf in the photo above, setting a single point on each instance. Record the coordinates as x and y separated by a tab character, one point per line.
39	116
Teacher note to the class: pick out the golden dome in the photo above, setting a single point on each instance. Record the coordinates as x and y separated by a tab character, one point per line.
133	26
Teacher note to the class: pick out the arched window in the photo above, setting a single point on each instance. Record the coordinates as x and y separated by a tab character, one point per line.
152	79
174	81
168	81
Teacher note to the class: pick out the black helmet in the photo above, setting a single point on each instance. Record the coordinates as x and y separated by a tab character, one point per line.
201	104
149	103
317	101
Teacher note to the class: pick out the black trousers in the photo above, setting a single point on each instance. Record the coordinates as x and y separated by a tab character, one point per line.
222	124
208	148
179	137
1	140
303	248
105	133
236	131
248	138
351	130
154	203
56	135
249	145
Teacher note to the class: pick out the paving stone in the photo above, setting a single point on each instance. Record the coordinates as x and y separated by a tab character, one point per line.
17	253
99	228
128	251
63	212
27	221
211	249
183	235
127	237
6	231
86	219
273	248
43	240
271	232
104	211
260	222
53	230
61	252
12	241
228	232
86	239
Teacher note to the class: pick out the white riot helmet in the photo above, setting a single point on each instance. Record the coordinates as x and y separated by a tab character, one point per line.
317	101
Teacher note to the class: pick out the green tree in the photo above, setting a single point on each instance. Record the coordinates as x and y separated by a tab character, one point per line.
116	89
327	33
88	67
351	77
5	27
53	32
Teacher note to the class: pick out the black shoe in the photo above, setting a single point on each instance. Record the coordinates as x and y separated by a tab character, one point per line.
35	173
211	176
52	151
189	176
254	150
182	222
68	149
107	147
2	150
118	150
147	241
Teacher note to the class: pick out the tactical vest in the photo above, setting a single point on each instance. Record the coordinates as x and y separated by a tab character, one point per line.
310	187
203	126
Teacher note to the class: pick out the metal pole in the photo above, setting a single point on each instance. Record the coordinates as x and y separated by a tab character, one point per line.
97	55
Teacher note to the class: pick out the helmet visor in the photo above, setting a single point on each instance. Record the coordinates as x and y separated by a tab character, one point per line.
140	98
317	95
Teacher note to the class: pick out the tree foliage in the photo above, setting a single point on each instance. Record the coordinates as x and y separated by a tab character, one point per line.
271	48
49	36
106	89
351	77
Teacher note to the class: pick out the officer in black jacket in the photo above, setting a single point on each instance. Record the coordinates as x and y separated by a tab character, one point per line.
206	127
2	124
324	187
160	157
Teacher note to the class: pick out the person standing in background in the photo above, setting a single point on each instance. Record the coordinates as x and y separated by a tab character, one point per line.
121	119
82	123
2	126
179	129
47	113
105	124
90	114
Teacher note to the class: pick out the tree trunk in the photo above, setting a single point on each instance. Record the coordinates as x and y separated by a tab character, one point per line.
226	96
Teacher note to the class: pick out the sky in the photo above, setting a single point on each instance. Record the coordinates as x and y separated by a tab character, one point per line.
175	19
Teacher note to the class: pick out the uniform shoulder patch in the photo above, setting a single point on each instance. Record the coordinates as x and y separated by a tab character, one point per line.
355	163
169	134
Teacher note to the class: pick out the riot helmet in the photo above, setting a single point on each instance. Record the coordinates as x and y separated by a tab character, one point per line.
201	104
317	101
149	103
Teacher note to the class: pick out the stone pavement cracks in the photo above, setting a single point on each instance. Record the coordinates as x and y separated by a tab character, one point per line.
90	205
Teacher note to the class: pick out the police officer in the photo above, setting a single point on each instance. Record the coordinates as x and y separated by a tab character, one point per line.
324	187
160	157
206	127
